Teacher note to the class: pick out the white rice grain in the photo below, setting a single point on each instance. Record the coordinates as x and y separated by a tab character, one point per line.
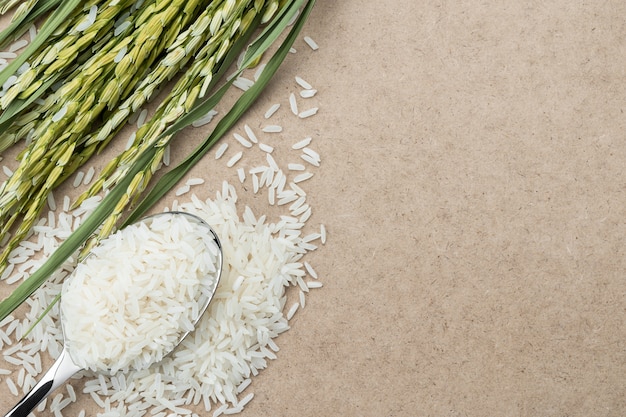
32	32
243	141
272	110
182	190
292	311
78	179
51	202
302	298
266	148
301	144
304	84
272	129
220	151
310	160
89	175
259	71
308	113
234	159
206	119
310	270
12	388
272	162
241	174
194	181
302	177
293	104
312	44
17	45
250	134
308	93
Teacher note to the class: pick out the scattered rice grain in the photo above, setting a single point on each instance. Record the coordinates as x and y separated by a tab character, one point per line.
266	148
194	181
220	150
292	311
301	144
234	159
273	129
17	45
78	179
273	109
312	44
310	160
310	270
89	175
243	141
51	202
250	134
308	113
182	190
12	387
304	84
293	104
308	93
241	174
302	177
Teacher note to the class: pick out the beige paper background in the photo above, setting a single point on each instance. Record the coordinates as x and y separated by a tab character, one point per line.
473	188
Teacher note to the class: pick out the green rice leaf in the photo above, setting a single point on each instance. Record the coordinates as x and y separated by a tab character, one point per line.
170	179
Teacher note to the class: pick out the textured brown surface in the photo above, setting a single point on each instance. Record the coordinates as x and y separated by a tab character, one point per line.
473	187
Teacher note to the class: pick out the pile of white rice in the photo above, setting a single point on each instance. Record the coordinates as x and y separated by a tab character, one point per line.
138	292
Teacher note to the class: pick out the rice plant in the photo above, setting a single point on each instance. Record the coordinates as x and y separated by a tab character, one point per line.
91	66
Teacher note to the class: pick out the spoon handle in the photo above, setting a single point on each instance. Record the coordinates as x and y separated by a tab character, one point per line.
60	372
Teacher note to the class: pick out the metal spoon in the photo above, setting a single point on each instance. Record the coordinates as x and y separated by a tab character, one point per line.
63	368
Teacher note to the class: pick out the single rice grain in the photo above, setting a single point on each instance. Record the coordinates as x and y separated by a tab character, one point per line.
273	129
234	159
220	150
302	143
312	44
272	110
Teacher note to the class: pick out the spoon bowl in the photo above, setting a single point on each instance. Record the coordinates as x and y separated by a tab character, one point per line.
65	366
